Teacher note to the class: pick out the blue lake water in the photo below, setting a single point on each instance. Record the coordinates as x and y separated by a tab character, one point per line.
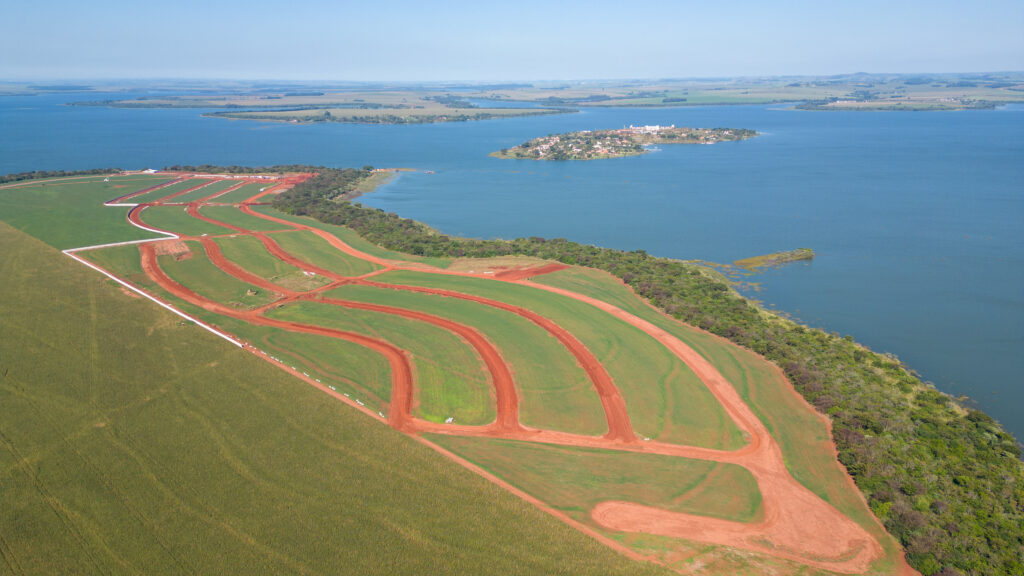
917	219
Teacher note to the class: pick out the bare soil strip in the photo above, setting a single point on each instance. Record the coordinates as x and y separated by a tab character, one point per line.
796	525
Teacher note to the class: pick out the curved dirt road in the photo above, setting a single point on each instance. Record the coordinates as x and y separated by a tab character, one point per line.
797	524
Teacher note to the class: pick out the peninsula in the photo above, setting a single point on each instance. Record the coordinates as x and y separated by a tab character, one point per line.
631	141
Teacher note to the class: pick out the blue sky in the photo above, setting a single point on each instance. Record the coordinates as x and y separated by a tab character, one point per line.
484	41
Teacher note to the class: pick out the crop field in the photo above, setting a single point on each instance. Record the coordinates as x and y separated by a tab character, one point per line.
554	383
308	247
235	217
551	383
666	401
206	191
53	210
175	219
162	193
449	376
247	252
197	273
348	236
242	194
147	445
575	480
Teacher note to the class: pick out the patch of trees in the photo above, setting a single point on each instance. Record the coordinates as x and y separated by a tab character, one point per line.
947	481
54	174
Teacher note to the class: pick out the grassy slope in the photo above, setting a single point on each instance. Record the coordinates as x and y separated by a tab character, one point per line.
346	366
352	239
235	217
555	392
790	420
313	249
144	445
574	480
175	219
677	407
243	193
53	211
249	253
167	190
450	377
211	188
201	276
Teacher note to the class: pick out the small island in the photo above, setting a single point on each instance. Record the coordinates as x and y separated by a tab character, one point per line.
756	263
631	141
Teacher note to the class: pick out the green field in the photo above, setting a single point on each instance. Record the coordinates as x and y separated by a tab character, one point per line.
309	247
354	240
574	480
175	219
235	217
554	391
212	188
198	274
665	400
157	195
450	376
70	213
144	444
805	441
250	254
243	193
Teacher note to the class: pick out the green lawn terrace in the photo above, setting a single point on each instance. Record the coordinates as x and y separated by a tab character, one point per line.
254	283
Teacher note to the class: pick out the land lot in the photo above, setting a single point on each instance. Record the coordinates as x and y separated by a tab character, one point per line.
557	384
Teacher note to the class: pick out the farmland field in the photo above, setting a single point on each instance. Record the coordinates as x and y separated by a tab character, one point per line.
676	408
242	194
144	444
248	253
175	219
556	383
204	192
235	217
165	191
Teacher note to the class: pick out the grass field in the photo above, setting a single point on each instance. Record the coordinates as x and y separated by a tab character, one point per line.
175	219
212	188
450	378
250	254
242	194
198	274
802	436
550	381
235	217
70	213
311	248
665	400
574	480
352	239
161	193
144	444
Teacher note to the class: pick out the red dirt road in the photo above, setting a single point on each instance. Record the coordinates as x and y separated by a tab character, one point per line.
401	369
619	427
796	525
507	400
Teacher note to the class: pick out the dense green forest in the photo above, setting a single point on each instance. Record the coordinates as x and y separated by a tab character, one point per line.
945	479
